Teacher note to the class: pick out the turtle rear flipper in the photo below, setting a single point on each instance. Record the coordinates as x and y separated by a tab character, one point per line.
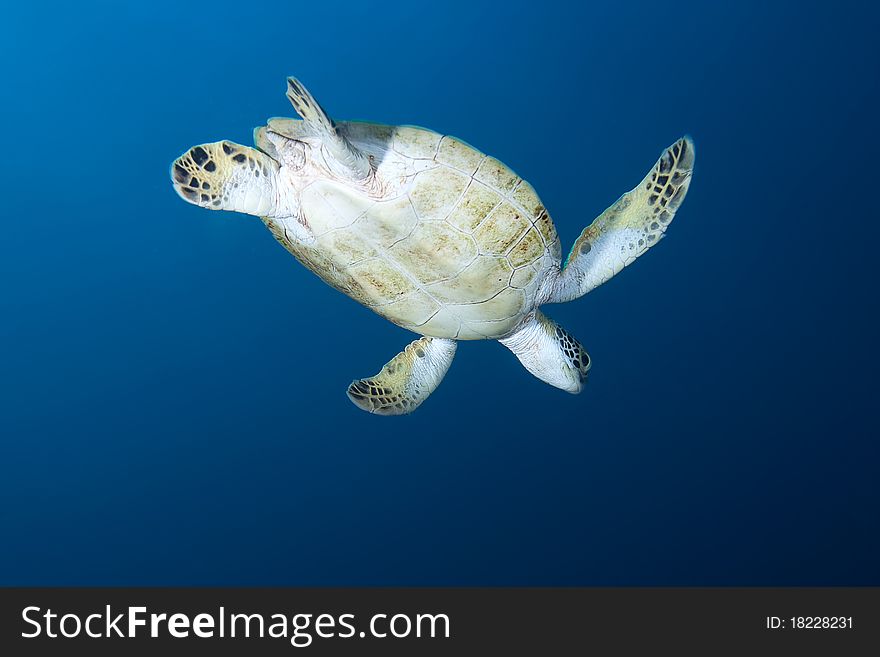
407	380
550	353
227	176
631	226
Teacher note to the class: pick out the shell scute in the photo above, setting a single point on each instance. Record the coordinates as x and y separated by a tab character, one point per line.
501	229
527	250
476	204
434	251
379	282
457	154
522	277
525	195
497	175
339	208
548	232
435	192
413	310
503	305
415	142
482	279
391	221
443	324
348	245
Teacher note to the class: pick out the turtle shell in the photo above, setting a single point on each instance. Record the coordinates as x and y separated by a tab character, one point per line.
456	247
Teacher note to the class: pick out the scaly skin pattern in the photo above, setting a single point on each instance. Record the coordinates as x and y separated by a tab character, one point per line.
406	380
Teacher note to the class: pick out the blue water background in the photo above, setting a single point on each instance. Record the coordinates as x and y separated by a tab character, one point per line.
172	382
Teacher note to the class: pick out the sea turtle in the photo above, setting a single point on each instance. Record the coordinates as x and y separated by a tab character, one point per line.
431	234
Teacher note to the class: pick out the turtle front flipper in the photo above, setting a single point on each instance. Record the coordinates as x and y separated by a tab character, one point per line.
344	159
407	380
550	353
631	226
227	176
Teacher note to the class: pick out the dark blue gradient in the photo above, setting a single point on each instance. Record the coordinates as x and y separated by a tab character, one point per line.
172	382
